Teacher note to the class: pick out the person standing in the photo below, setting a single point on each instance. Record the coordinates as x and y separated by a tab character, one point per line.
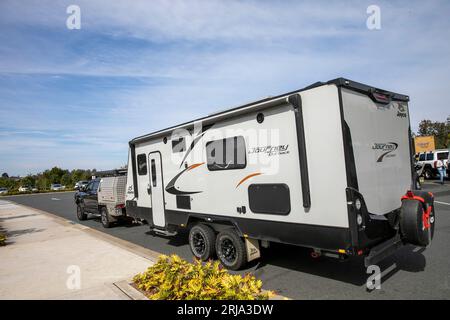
441	169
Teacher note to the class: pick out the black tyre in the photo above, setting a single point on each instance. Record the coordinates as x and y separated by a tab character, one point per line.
106	220
202	240
81	215
231	250
416	223
428	174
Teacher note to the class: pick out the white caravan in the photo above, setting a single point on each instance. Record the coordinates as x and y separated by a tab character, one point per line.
326	167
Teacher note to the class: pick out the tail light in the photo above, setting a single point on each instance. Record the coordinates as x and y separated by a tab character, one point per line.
380	97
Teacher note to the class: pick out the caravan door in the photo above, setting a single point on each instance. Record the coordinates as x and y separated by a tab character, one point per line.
157	189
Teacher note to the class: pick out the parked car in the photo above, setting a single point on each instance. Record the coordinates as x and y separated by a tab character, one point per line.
80	184
3	191
34	189
24	189
428	160
104	196
57	187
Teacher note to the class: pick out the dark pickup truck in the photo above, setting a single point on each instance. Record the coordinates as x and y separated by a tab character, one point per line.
86	200
104	196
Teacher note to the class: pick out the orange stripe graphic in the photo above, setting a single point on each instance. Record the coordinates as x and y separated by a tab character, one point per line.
195	165
248	177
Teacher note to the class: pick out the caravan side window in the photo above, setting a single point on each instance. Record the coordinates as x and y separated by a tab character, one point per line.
226	154
142	164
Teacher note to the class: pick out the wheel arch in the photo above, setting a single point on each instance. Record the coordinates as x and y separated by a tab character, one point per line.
217	225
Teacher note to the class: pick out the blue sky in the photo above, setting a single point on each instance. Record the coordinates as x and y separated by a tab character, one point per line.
74	98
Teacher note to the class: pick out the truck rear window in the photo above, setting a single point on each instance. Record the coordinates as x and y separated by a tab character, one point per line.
442	155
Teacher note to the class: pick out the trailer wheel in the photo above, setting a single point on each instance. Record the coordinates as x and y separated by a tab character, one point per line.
231	250
201	241
81	215
416	223
106	221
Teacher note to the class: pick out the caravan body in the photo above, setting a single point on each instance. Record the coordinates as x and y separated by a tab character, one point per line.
323	167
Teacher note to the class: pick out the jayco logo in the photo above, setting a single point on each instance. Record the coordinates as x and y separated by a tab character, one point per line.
270	150
401	111
387	148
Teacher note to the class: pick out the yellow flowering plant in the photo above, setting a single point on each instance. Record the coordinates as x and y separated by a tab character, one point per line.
173	278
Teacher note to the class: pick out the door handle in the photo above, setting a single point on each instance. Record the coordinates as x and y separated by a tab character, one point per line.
149	189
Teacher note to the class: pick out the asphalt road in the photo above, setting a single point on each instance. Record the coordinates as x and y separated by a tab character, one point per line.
411	273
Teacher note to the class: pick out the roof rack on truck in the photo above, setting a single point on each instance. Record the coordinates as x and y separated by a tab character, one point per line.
110	173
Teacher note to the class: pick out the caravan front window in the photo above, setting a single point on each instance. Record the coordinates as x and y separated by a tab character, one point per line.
226	154
142	164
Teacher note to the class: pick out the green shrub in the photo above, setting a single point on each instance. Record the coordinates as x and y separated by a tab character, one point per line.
173	278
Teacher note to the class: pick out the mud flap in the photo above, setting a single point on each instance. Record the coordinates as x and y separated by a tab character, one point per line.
252	247
383	250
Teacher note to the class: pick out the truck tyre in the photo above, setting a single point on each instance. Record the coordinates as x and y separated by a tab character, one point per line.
106	220
428	173
202	240
81	215
231	250
416	223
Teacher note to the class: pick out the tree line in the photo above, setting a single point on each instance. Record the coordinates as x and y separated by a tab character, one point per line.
43	180
440	131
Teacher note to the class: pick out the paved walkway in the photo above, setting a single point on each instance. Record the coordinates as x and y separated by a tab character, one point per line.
47	257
